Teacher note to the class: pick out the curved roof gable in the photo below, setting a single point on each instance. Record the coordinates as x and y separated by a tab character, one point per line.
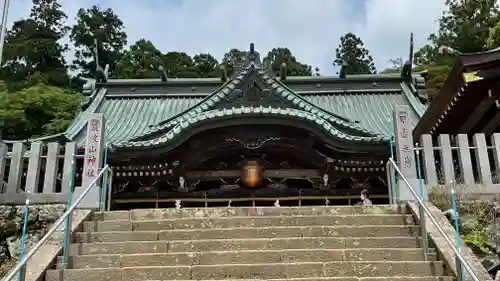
254	88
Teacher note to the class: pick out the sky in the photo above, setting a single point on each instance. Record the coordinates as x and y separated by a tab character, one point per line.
310	29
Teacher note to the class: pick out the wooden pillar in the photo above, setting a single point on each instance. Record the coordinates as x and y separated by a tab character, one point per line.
3	162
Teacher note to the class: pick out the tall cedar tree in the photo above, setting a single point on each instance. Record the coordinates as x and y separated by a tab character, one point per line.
105	27
354	55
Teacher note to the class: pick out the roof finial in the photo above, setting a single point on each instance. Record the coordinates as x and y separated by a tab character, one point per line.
163	73
408	65
411	49
253	59
343	69
96	53
101	75
223	72
283	71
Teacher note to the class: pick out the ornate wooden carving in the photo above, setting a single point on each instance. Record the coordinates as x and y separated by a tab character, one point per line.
235	95
251	142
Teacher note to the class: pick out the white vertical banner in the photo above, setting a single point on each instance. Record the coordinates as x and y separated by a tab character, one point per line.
93	160
404	142
405	153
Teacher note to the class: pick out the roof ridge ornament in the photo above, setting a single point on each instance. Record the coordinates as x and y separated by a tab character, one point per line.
101	75
283	71
407	67
223	72
253	58
343	69
163	73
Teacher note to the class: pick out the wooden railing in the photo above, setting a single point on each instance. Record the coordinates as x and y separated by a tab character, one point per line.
206	200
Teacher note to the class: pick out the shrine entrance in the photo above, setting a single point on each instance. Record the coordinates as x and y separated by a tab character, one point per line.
251	165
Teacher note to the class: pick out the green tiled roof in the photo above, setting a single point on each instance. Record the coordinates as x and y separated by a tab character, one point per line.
215	114
371	110
292	100
142	119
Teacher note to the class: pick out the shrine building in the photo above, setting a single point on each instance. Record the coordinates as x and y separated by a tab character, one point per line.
253	134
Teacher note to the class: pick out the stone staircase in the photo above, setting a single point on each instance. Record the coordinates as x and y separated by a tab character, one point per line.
349	243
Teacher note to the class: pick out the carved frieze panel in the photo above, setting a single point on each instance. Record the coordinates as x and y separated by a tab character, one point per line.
251	142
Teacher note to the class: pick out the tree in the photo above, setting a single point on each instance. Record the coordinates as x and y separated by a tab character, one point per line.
206	65
233	59
32	46
179	65
493	40
466	24
105	27
316	71
280	55
397	66
36	111
354	55
434	80
142	60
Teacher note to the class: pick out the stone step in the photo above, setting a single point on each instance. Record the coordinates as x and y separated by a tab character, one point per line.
253	232
387	278
234	222
252	271
243	257
137	247
160	214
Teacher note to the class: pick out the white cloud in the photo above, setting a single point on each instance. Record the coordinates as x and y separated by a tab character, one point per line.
311	29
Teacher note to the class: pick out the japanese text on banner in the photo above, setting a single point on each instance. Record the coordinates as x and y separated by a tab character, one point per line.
91	160
406	151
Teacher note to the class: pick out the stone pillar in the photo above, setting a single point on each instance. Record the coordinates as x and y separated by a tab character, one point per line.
3	162
405	153
93	162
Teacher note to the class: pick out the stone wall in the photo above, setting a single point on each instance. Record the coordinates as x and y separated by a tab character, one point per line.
479	218
482	220
443	250
11	222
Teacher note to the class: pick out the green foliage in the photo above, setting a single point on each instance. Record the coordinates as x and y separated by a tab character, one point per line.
352	52
232	59
278	56
397	66
475	216
206	65
105	27
477	238
36	111
466	26
494	37
140	61
32	45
